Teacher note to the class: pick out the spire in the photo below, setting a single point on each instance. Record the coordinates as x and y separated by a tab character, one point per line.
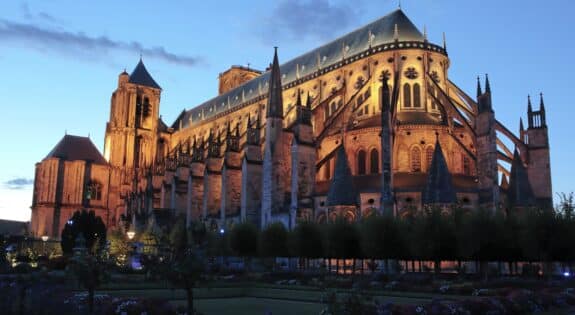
341	189
521	128
141	76
249	121
439	187
487	85
396	32
479	92
541	103
275	103
298	101
529	107
308	102
519	192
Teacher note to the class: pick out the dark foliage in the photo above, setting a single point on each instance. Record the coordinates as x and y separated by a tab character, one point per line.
89	225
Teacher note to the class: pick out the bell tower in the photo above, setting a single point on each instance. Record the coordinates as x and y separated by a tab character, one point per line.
132	127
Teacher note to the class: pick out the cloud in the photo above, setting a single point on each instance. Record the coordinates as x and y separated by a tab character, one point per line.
19	183
41	16
299	19
81	45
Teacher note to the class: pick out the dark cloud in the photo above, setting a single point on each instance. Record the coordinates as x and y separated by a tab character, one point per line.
82	45
300	19
19	183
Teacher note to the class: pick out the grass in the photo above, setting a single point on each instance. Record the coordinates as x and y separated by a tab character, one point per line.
250	305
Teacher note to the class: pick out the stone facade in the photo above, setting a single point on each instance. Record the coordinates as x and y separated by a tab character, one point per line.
264	150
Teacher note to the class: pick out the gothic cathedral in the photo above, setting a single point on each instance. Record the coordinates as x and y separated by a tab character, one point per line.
367	124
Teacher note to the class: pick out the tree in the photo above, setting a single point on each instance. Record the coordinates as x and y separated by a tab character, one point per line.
343	240
187	263
86	223
244	240
273	241
436	235
90	273
306	241
381	239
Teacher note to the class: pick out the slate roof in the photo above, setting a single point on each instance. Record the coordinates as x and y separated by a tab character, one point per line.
74	148
519	192
439	186
141	76
356	42
341	189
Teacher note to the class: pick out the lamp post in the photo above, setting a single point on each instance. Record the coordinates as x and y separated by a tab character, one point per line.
44	240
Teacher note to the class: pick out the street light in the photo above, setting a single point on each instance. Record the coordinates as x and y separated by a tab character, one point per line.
131	234
44	240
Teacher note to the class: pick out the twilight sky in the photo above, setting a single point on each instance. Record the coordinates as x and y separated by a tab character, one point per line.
59	61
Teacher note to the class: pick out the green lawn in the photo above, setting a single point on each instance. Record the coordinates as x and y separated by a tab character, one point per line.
256	306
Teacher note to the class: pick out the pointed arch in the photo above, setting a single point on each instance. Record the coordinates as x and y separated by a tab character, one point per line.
415	159
374	161
406	95
428	156
361	162
416	95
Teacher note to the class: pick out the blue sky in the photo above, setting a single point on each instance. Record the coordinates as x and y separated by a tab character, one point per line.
59	61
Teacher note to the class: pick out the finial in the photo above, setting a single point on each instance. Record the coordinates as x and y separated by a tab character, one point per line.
141	55
65	132
308	103
298	101
487	85
541	103
396	32
529	107
276	49
249	121
479	92
521	128
444	42
399	4
425	32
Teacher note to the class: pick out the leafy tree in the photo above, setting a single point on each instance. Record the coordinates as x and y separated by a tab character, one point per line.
343	240
306	241
86	223
187	263
119	247
273	242
381	238
244	241
436	235
90	273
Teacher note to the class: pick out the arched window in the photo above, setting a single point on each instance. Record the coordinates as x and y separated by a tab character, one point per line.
415	159
374	162
416	95
406	95
327	169
361	157
94	191
428	156
432	94
466	165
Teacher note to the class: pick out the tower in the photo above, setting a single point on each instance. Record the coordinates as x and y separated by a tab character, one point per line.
538	166
132	127
303	157
273	172
486	149
131	134
251	188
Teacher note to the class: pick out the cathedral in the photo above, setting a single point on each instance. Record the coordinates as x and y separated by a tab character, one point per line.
369	123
